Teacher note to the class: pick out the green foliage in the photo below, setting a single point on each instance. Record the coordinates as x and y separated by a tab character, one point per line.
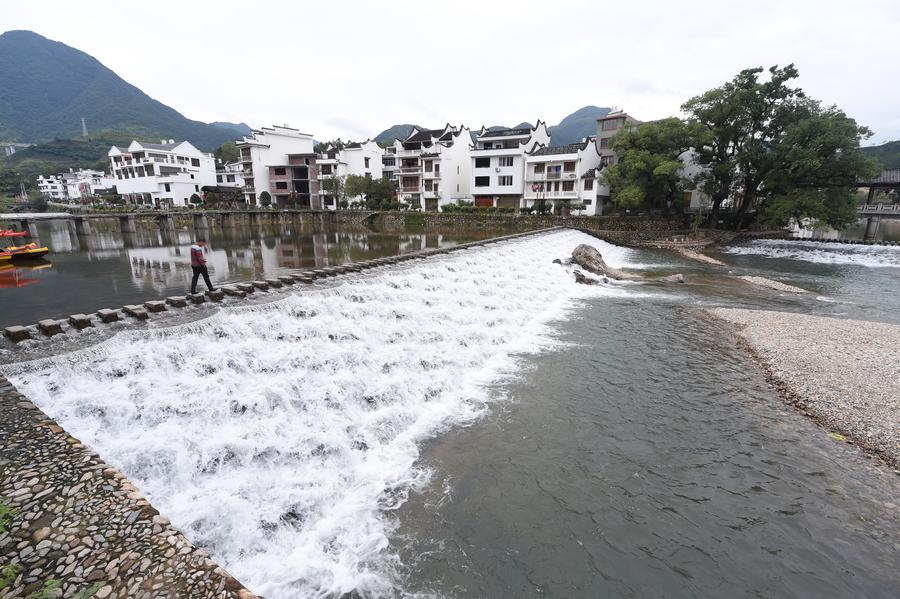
325	146
227	152
48	591
649	170
195	199
772	148
6	515
265	199
8	574
32	66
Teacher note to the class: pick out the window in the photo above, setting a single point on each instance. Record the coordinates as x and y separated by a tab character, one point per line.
539	168
279	172
568	185
506	161
569	167
604	143
196	188
230	178
611	124
482	181
437	168
218	178
192	176
195	162
367	162
588	184
281	185
168	188
505	180
482	163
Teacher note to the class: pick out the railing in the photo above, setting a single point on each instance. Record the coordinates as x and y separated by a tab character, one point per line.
550	176
550	195
878	208
410	169
432	174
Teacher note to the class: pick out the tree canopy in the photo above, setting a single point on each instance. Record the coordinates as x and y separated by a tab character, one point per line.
755	143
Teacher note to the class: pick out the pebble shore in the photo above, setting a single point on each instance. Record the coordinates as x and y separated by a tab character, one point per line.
844	373
76	527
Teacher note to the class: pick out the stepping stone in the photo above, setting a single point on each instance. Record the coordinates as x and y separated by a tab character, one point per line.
198	298
308	273
107	315
287	280
136	312
155	306
276	283
17	333
233	291
352	268
217	296
50	327
246	287
80	321
177	301
307	280
261	285
328	272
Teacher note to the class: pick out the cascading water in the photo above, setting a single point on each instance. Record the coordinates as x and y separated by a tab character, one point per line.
280	437
823	253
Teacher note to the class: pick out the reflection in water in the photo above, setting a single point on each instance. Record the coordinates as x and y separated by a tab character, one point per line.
107	268
888	230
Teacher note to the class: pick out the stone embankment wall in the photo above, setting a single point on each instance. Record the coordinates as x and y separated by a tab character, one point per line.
76	526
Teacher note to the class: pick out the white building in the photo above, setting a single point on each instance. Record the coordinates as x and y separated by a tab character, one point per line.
434	167
230	174
498	164
563	173
355	158
389	163
280	161
163	175
84	184
52	187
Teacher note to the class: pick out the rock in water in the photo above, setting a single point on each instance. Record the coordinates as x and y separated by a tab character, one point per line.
589	258
580	278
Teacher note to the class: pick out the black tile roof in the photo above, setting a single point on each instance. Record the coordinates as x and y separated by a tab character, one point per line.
150	146
505	132
423	135
567	149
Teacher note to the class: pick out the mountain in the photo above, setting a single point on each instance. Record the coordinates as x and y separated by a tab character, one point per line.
578	125
395	132
47	87
888	154
242	128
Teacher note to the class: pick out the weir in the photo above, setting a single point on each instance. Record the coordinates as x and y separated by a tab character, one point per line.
165	557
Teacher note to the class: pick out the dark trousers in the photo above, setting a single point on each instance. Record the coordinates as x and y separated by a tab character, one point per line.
200	270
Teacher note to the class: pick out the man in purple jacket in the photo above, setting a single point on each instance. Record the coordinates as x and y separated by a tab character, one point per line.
198	265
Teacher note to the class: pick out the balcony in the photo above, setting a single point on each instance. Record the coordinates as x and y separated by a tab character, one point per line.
410	170
432	174
553	176
551	195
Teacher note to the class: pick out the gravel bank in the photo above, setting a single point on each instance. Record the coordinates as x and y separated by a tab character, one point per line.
700	257
845	373
78	528
776	285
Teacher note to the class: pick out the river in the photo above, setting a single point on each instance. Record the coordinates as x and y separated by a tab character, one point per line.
478	425
108	269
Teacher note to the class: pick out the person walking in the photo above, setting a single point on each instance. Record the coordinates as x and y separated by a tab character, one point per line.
198	265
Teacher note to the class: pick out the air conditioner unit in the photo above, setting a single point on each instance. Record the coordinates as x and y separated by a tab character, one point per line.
497	169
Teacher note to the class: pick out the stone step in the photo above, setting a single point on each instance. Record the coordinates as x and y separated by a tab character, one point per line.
177	301
246	287
155	306
50	327
106	315
276	283
233	291
80	321
216	296
287	280
261	285
17	333
136	312
196	298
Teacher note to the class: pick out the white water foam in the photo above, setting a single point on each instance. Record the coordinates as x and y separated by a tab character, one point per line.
874	256
281	437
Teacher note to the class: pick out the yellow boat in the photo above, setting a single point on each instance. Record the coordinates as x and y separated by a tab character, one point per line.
29	251
5	256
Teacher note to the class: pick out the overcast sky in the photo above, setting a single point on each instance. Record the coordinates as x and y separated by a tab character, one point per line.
351	68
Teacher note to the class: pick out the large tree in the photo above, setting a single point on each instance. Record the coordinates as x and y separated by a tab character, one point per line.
769	147
649	170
